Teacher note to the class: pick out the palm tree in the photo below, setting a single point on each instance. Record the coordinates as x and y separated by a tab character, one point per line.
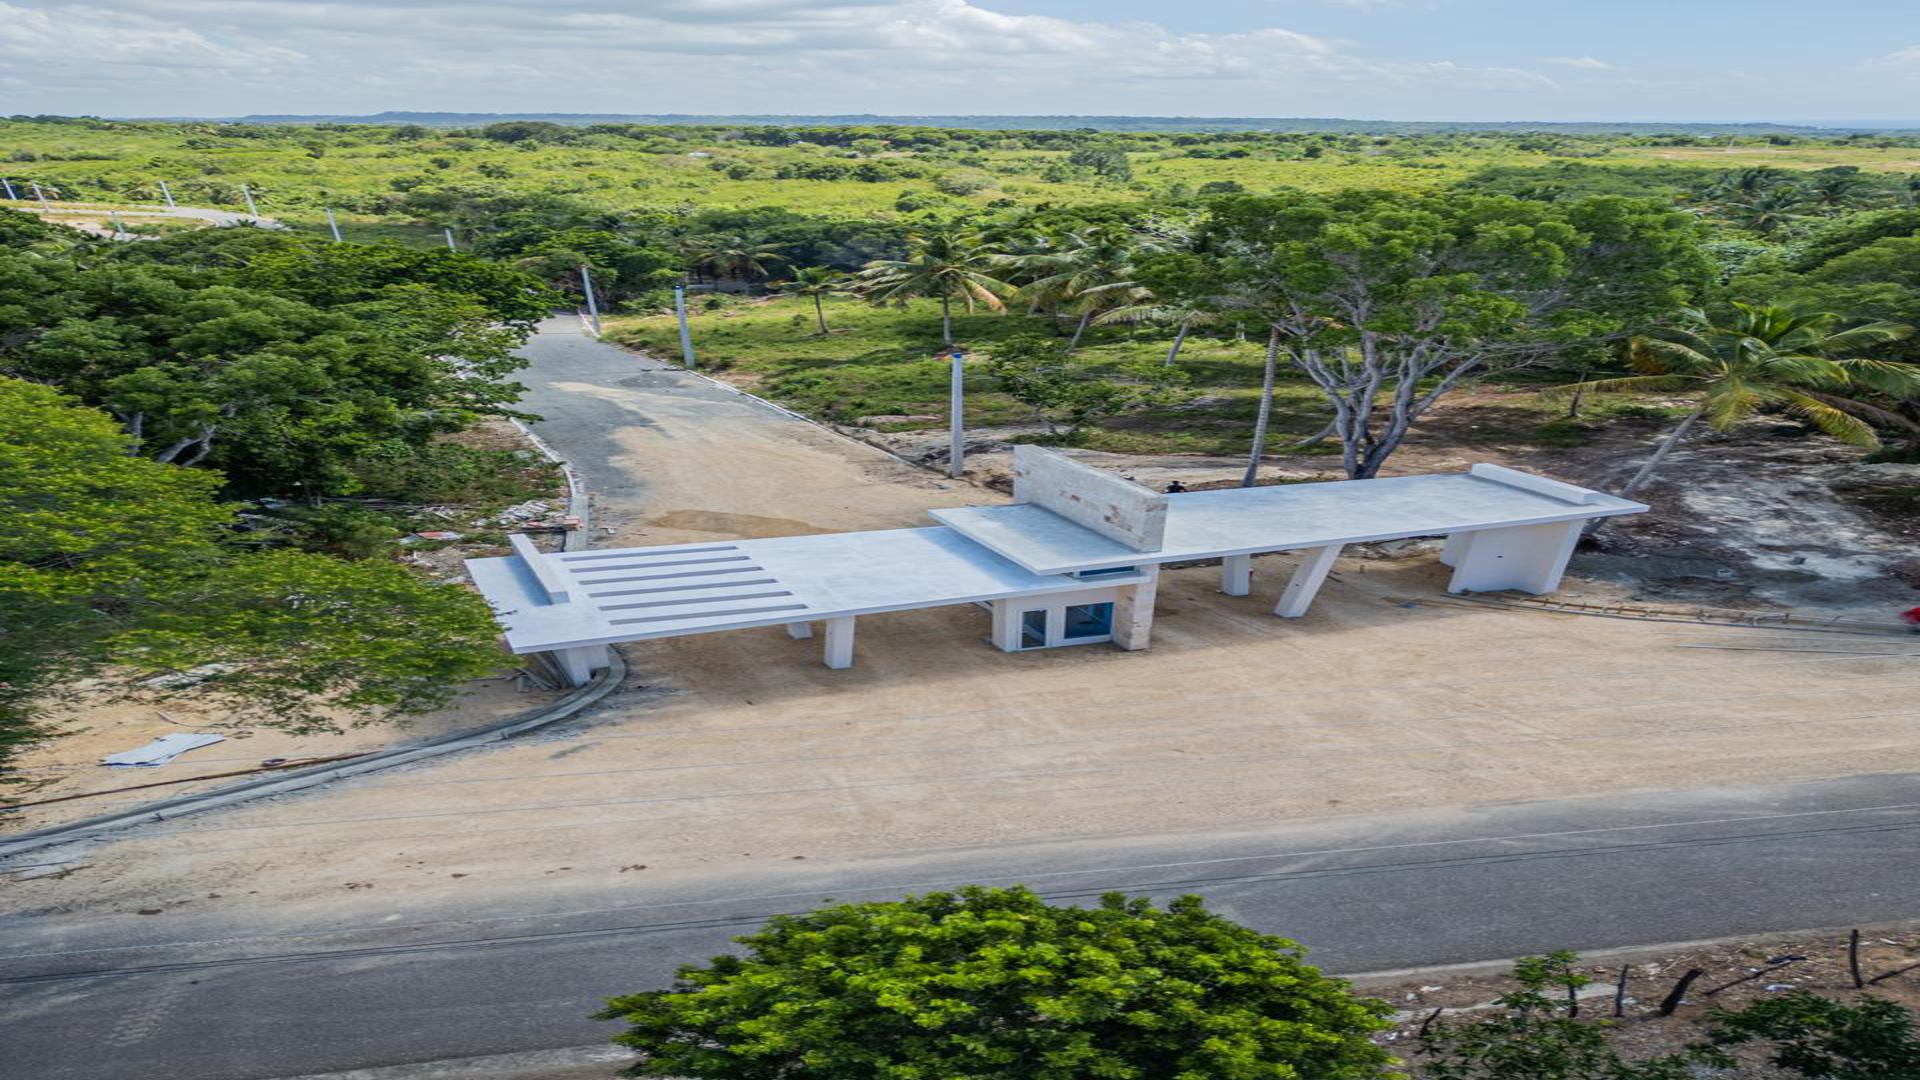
1090	273
732	257
945	263
1183	316
818	282
1768	209
1765	355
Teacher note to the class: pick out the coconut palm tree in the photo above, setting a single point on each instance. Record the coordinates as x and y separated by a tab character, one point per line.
732	257
947	264
1766	355
1767	210
1090	273
818	282
1183	316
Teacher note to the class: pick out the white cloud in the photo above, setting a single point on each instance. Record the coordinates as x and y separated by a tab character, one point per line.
1585	63
1899	58
908	56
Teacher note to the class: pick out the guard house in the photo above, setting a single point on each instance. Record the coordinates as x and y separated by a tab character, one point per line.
1074	560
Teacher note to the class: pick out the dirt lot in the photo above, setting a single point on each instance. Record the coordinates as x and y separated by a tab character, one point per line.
732	748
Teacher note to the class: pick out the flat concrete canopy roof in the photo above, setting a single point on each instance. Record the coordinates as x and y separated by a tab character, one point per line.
549	601
1284	517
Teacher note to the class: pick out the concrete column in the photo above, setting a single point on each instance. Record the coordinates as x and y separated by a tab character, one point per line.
1006	626
1133	612
840	642
799	631
580	664
1455	547
1529	558
1236	575
1306	581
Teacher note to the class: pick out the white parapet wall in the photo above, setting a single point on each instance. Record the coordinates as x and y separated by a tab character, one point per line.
1113	506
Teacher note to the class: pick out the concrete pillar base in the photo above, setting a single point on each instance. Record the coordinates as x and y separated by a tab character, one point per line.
799	631
1236	575
1133	613
840	642
1530	558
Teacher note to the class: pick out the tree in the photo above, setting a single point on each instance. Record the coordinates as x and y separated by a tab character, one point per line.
1824	1039
724	257
1039	373
817	282
1389	303
119	568
945	264
1088	273
1768	210
1765	356
995	984
1536	1036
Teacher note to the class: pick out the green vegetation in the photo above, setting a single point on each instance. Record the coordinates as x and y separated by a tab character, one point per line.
149	387
995	983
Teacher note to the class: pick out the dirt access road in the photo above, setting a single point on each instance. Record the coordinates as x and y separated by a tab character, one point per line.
734	775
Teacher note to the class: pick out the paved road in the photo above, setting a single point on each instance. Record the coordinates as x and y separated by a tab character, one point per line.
219	1003
186	998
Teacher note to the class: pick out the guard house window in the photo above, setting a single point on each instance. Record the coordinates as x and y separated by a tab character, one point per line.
1033	629
1088	621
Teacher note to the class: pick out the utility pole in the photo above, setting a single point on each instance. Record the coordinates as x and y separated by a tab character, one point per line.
686	335
956	410
334	225
119	230
450	245
8	184
167	194
593	306
41	195
247	194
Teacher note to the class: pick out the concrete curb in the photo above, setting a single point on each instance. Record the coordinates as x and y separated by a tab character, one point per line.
583	1061
299	779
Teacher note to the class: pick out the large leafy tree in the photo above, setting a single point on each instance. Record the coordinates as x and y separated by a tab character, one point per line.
118	567
1389	303
995	984
944	264
1765	356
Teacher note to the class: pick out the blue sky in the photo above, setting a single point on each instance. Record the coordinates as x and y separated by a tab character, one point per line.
1701	60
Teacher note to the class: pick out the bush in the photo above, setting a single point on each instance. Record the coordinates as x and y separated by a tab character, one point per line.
995	984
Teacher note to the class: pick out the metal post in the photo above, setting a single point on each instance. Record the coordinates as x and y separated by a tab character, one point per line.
450	244
8	184
686	335
41	195
247	194
119	230
167	194
593	306
957	420
334	225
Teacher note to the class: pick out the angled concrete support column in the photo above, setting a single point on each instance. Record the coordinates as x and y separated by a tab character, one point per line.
1529	558
1236	575
1456	545
799	631
1306	581
580	664
840	642
1133	612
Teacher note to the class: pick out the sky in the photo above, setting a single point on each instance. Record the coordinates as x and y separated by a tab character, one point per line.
1472	60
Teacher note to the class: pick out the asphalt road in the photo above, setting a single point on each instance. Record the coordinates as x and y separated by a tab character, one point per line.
176	999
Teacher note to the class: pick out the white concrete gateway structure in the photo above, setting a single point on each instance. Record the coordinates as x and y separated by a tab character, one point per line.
1074	560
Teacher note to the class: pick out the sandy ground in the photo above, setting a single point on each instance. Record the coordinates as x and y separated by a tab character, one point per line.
729	749
69	763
